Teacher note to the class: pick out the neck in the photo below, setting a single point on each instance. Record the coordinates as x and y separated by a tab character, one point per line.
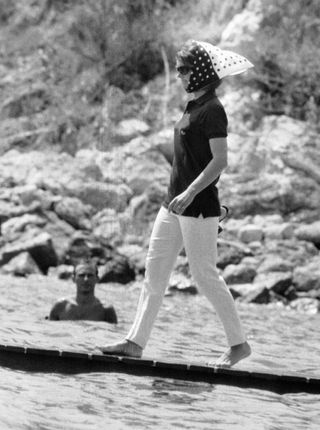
85	299
199	93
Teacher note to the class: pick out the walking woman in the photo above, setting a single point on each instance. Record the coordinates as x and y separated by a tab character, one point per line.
190	213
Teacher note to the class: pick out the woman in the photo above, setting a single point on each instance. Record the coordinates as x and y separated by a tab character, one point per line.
190	214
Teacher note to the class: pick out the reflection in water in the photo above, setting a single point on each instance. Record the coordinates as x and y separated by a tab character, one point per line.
186	329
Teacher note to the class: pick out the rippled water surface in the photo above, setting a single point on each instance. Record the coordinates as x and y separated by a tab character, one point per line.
186	329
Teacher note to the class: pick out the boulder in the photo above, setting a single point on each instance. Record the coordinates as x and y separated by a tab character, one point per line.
293	251
307	277
286	181
14	227
241	290
136	254
258	294
277	282
145	207
74	212
182	284
128	129
274	263
250	233
100	195
138	164
83	245
61	233
282	231
309	232
118	270
38	245
30	195
229	255
106	226
10	209
238	274
21	265
63	175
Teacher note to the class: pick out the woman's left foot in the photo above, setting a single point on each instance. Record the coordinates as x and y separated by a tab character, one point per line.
233	355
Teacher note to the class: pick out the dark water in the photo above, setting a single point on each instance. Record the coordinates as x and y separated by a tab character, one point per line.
186	329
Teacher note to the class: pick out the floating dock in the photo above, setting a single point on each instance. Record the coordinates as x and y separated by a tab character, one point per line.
72	362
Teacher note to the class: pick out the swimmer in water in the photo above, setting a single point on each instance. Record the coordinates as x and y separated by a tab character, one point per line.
84	306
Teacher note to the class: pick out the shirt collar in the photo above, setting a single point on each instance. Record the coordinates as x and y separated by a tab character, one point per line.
204	98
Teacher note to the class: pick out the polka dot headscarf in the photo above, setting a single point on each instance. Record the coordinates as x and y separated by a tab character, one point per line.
210	63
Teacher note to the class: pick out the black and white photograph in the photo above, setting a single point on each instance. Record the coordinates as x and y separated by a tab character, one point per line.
159	215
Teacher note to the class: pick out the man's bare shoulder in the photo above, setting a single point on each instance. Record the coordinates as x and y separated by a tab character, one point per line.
59	307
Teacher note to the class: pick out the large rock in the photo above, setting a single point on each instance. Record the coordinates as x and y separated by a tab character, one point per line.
250	233
310	232
231	252
118	270
239	274
21	265
278	282
282	231
83	245
63	175
39	246
13	228
74	212
61	233
257	294
285	180
137	164
293	251
128	129
11	209
182	284
307	277
106	226
274	263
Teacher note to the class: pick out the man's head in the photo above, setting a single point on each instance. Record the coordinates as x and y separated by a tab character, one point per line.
85	277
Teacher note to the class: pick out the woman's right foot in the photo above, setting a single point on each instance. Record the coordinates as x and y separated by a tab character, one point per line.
126	348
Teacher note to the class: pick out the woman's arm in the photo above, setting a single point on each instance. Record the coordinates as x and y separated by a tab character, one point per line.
219	149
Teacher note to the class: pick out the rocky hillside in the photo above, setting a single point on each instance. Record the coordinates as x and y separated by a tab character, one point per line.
84	146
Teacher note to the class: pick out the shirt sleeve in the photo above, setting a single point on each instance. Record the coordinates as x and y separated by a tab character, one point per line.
215	122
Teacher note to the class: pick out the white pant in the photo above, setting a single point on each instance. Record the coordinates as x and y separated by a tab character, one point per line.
199	237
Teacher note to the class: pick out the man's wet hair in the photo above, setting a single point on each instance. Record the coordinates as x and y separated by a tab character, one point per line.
85	262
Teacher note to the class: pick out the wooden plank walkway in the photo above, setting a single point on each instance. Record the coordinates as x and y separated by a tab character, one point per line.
71	362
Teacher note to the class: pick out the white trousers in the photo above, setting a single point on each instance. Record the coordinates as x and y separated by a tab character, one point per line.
199	237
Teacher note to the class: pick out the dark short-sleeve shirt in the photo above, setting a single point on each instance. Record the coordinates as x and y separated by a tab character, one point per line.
203	119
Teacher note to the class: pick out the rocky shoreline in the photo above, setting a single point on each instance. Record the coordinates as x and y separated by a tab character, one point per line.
84	165
56	208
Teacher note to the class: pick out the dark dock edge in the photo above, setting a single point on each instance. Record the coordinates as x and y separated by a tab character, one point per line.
72	362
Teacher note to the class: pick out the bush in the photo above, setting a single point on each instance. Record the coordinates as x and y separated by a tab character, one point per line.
288	71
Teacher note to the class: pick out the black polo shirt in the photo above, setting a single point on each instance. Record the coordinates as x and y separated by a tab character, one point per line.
203	119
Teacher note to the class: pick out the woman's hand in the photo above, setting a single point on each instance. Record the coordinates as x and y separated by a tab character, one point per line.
180	203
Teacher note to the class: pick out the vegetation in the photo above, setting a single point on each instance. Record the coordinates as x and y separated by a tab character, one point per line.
104	60
289	62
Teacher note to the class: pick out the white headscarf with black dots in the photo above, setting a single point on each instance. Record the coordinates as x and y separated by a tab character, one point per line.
211	63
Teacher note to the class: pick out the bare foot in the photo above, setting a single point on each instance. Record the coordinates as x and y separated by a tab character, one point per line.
233	355
126	347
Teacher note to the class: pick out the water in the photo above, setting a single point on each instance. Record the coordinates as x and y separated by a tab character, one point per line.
186	329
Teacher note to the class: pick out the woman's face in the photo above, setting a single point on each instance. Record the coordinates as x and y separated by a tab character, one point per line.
183	73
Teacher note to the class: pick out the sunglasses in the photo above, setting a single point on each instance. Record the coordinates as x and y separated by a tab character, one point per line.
183	70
